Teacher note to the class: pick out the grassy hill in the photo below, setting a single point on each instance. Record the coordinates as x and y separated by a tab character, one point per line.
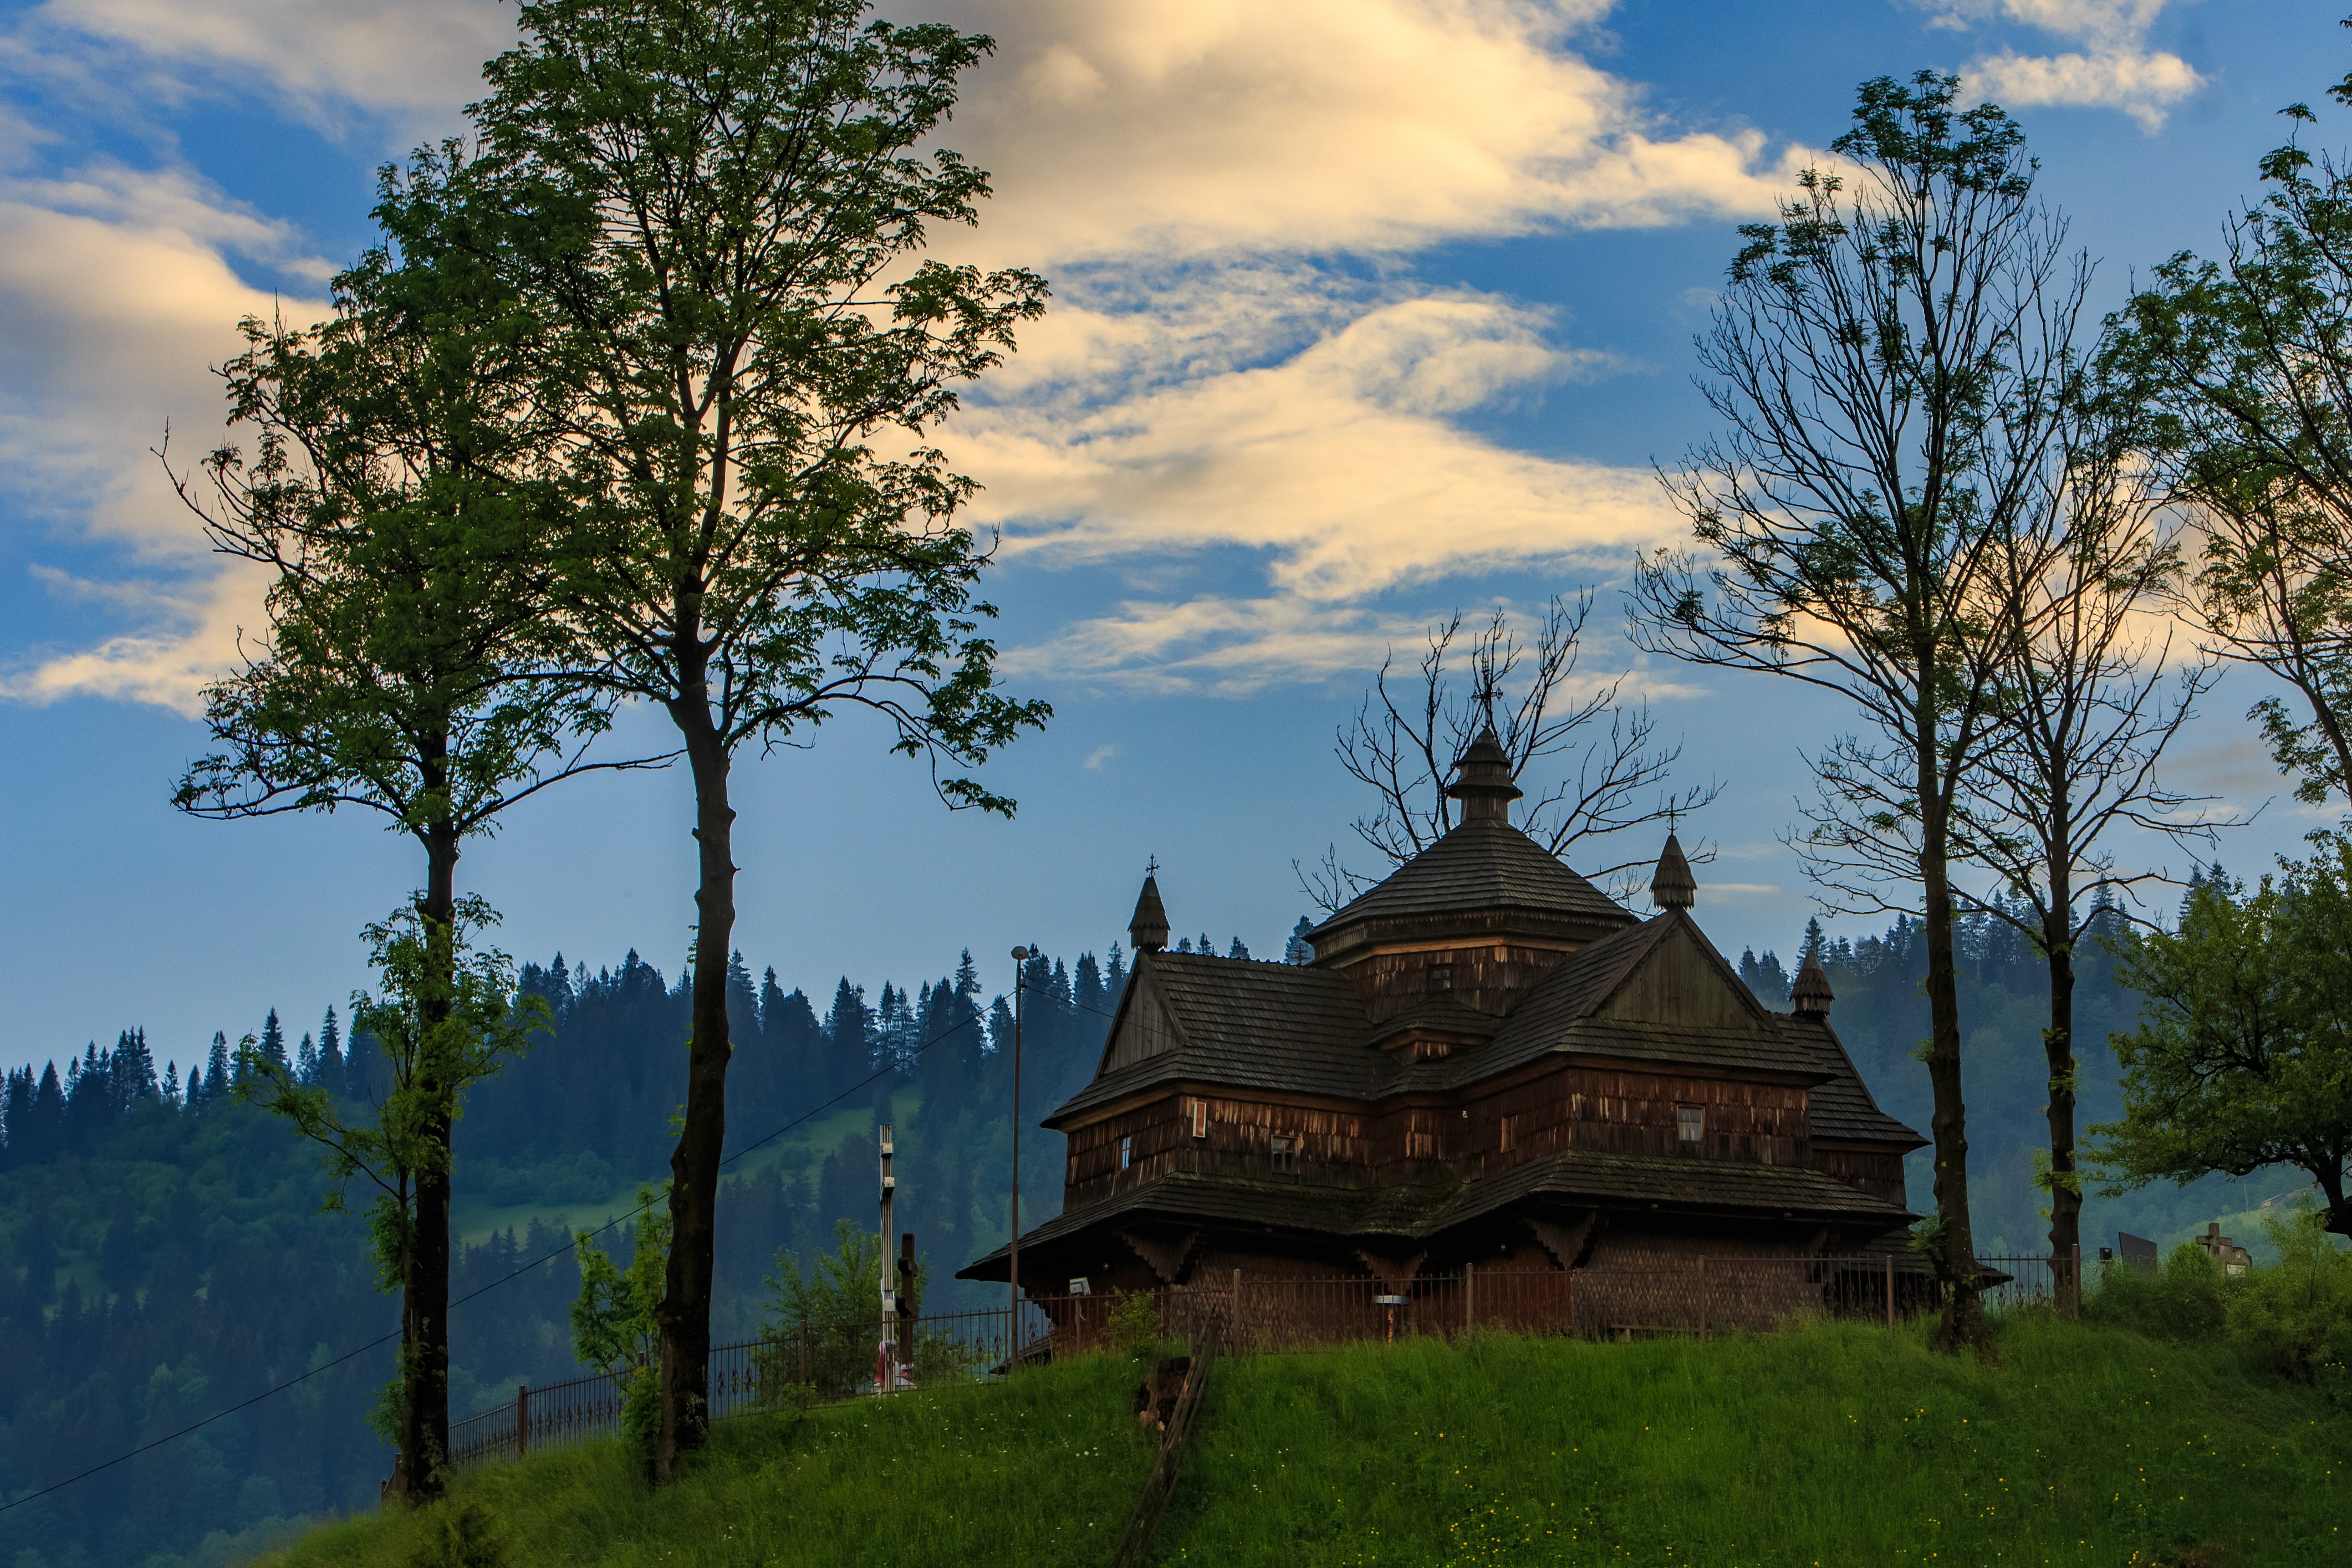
1838	1445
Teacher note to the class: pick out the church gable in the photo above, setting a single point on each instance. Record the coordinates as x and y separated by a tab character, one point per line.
1680	981
1144	1027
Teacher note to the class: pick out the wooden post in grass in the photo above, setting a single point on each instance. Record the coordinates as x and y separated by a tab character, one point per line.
1890	1292
1702	1295
886	1374
522	1419
1469	1295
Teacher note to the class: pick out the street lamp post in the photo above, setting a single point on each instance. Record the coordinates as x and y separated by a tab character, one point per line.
1020	975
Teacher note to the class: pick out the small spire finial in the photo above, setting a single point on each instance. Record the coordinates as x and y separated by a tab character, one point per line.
1147	932
1810	996
1671	886
1481	780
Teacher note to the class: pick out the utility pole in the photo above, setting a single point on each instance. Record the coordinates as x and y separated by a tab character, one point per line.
885	1370
1020	977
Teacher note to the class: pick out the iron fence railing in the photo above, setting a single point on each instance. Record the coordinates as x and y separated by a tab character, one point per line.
1618	1297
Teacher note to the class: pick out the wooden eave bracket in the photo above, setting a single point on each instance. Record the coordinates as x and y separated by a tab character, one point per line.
1394	1273
1166	1257
1564	1242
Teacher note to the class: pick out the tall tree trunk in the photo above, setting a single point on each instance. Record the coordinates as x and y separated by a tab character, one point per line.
429	1461
1963	1319
2058	1042
684	1313
425	1436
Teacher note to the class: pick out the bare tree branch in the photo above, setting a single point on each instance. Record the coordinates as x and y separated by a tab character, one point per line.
1589	761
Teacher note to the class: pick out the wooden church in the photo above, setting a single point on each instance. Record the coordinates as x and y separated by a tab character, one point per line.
1488	1062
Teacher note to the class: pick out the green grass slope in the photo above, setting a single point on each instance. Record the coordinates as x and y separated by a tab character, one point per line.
1834	1445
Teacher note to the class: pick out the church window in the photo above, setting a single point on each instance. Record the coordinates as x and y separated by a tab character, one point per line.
1440	978
1690	1125
1284	1151
1200	1118
1126	1152
1510	1134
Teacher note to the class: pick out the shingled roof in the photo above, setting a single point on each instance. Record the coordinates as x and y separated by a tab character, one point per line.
1841	1107
1300	1030
1421	1210
1244	1023
1478	866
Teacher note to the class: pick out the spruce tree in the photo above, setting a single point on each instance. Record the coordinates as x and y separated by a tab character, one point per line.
330	1055
217	1074
273	1041
1298	950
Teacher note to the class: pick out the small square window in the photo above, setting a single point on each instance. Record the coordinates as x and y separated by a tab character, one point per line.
1284	1151
1510	1134
1200	1118
1690	1124
1126	1152
1439	977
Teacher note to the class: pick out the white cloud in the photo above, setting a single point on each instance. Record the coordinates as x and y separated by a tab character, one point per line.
111	317
1210	183
2114	70
1340	461
1100	755
1195	127
1229	647
415	60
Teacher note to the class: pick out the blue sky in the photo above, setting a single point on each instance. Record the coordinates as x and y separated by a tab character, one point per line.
1365	309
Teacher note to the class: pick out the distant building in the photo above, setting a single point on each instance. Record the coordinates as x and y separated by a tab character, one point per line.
1486	1059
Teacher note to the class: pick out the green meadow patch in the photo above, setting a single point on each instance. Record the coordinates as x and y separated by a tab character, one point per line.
1835	1445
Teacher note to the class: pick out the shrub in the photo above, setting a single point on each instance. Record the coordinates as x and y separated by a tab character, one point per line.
1131	1328
462	1534
2289	1313
2183	1299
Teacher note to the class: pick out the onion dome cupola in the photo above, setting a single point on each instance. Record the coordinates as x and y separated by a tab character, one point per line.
1481	780
1810	996
1671	886
1146	930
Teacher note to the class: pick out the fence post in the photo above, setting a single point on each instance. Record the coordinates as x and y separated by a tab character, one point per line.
1469	1295
2074	1285
1237	1308
522	1419
804	1354
1890	1290
1703	1288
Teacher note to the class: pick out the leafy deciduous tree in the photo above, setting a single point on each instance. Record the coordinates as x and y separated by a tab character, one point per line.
1888	361
721	210
394	500
2243	1057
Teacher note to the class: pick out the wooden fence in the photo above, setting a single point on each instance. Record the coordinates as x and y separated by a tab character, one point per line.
1623	1297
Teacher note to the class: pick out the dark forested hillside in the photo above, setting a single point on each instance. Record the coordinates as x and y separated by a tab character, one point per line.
2005	991
163	1255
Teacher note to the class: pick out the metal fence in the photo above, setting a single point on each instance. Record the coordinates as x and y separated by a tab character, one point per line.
1625	1296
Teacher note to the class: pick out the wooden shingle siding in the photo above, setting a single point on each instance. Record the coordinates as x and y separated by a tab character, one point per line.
1633	1113
1486	978
1145	1030
1878	1172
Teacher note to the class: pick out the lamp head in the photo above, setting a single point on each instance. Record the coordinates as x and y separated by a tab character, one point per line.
1020	955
